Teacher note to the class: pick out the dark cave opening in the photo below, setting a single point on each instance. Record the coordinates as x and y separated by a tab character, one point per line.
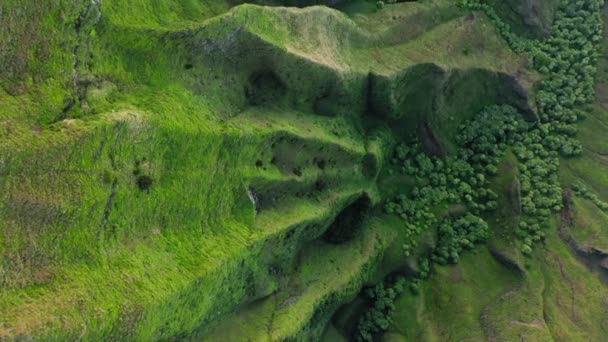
348	221
264	87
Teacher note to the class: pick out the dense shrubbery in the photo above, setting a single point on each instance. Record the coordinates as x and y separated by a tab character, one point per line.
438	182
568	60
378	317
488	136
458	235
463	179
581	190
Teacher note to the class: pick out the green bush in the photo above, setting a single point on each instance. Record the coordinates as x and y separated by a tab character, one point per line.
378	318
581	190
455	236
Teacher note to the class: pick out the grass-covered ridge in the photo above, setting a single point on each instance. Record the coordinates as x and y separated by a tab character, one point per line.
188	170
535	308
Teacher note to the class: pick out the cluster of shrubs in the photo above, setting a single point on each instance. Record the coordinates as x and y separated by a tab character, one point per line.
487	137
463	179
581	190
517	44
568	60
417	217
456	235
378	318
454	180
529	232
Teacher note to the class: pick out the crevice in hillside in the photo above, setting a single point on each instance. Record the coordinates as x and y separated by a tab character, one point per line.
109	202
85	23
349	221
507	261
427	100
430	142
371	166
265	87
595	259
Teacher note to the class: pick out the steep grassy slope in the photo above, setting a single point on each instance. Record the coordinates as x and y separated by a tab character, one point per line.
527	17
558	295
184	169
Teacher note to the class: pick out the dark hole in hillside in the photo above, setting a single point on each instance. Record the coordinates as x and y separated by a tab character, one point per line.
325	105
320	185
370	166
346	318
348	222
68	103
259	163
333	98
110	201
137	168
430	142
371	107
188	66
321	163
144	182
264	87
297	171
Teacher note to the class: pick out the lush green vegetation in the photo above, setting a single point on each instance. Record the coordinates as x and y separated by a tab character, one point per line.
458	235
218	170
568	59
378	317
581	190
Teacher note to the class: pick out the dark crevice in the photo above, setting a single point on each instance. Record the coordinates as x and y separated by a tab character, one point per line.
430	142
88	17
144	182
593	258
370	166
102	144
349	221
264	87
109	202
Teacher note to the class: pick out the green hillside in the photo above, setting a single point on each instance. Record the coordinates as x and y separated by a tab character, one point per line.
199	170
